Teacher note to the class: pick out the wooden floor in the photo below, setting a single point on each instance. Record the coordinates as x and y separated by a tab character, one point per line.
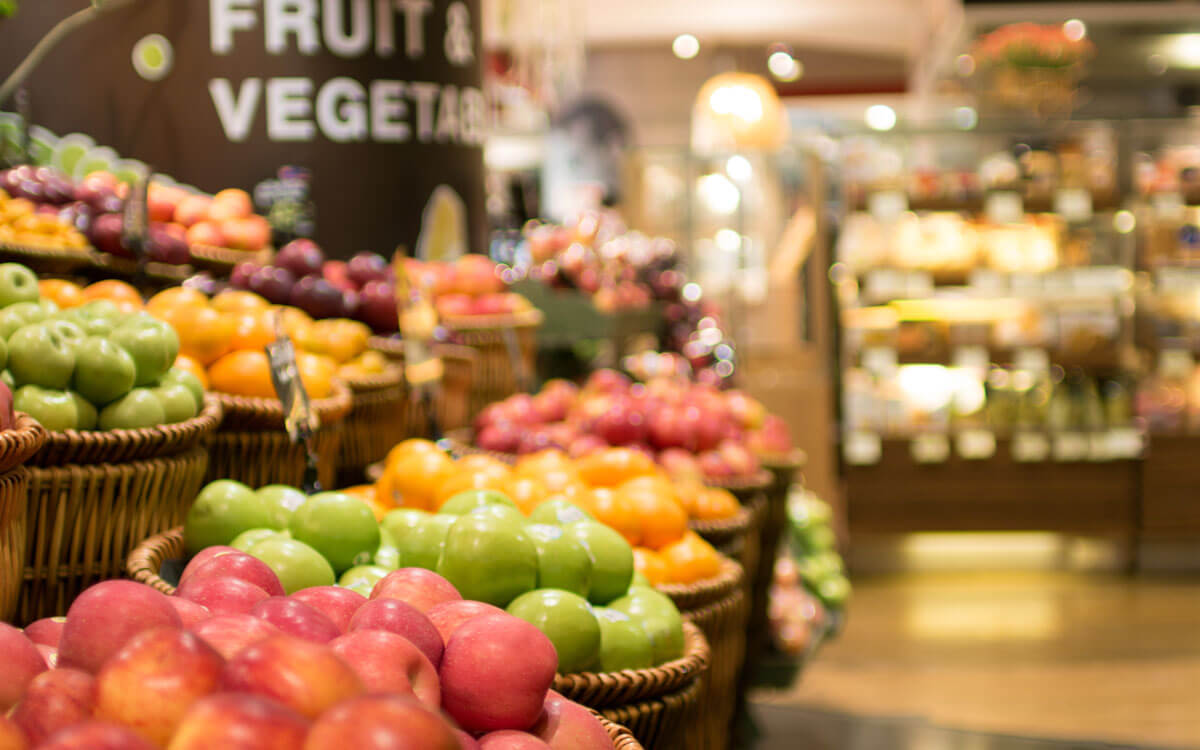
1078	657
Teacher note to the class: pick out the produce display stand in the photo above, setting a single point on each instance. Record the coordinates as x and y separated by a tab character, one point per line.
93	496
571	316
253	447
452	399
506	347
48	260
377	405
718	606
221	260
16	446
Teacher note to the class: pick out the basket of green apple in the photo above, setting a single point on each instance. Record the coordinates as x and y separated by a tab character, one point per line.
623	649
123	456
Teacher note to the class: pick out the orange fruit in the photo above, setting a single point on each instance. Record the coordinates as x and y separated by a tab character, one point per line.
123	295
236	300
414	479
527	492
187	364
410	446
564	480
62	293
613	466
714	504
691	559
366	493
663	520
339	338
205	334
243	373
174	298
543	462
252	330
619	512
648	563
317	374
482	462
463	480
296	322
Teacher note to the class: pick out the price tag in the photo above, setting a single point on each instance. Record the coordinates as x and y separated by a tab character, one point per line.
1073	204
887	205
862	448
1034	360
975	445
1071	446
300	421
1030	447
933	448
1004	207
418	320
1168	205
879	360
135	221
1124	442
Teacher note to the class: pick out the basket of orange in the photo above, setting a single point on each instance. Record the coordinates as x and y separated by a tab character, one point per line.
123	455
222	341
451	403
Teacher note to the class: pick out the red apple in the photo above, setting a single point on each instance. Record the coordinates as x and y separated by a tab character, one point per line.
294	617
495	673
302	257
621	424
566	725
239	565
104	617
229	634
232	203
739	459
152	682
317	297
222	596
305	676
96	735
335	272
402	619
204	556
190	612
192	210
377	306
55	699
205	233
49	655
773	439
680	464
240	721
389	663
476	275
47	630
448	616
337	603
453	305
272	283
366	267
673	426
11	736
585	444
466	741
507	739
607	381
249	233
421	588
492	304
163	200
7	417
502	437
714	465
381	722
239	278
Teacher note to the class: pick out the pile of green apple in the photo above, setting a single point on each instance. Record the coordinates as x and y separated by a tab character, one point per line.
559	569
90	367
814	547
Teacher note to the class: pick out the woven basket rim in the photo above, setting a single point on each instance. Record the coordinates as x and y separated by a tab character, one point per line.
24	439
707	590
524	319
392	376
59	253
797	459
145	561
75	442
622	738
226	254
737	524
644	684
759	480
256	409
393	346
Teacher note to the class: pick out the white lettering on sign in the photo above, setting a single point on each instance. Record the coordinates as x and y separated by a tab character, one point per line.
387	110
414	26
236	113
287	18
289	109
459	42
472	118
447	121
357	40
342	110
425	94
226	17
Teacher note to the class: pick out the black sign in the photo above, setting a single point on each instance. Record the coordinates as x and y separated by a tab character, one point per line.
379	100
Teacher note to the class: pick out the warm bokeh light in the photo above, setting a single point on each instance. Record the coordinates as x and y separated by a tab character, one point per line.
685	46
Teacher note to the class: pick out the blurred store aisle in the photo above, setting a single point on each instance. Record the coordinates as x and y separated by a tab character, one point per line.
1081	658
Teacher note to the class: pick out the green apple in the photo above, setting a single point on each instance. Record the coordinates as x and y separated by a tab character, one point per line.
563	562
49	306
136	409
175	376
222	510
152	343
17	284
503	512
369	573
178	403
38	355
103	371
86	417
3	353
250	537
421	546
283	502
658	616
98	317
623	642
834	591
339	526
612	559
640	580
7	378
362	587
71	332
568	622
18	316
298	565
55	410
465	502
558	512
399	523
489	559
387	556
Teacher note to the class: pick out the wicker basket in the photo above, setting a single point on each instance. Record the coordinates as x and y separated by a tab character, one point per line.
47	260
656	703
718	606
489	336
221	260
16	446
252	446
94	495
622	738
453	401
375	422
783	471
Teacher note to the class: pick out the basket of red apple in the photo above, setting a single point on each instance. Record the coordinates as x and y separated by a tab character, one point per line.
132	668
450	401
124	453
20	437
219	231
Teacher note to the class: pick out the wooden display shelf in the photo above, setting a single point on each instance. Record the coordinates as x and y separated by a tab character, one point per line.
899	495
976	202
1170	489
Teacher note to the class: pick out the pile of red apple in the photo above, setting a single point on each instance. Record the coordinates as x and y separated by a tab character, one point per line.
413	667
690	429
471	285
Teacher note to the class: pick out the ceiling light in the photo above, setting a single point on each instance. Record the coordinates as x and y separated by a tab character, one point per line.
685	46
880	117
783	66
1186	50
738	167
1075	29
728	240
719	194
